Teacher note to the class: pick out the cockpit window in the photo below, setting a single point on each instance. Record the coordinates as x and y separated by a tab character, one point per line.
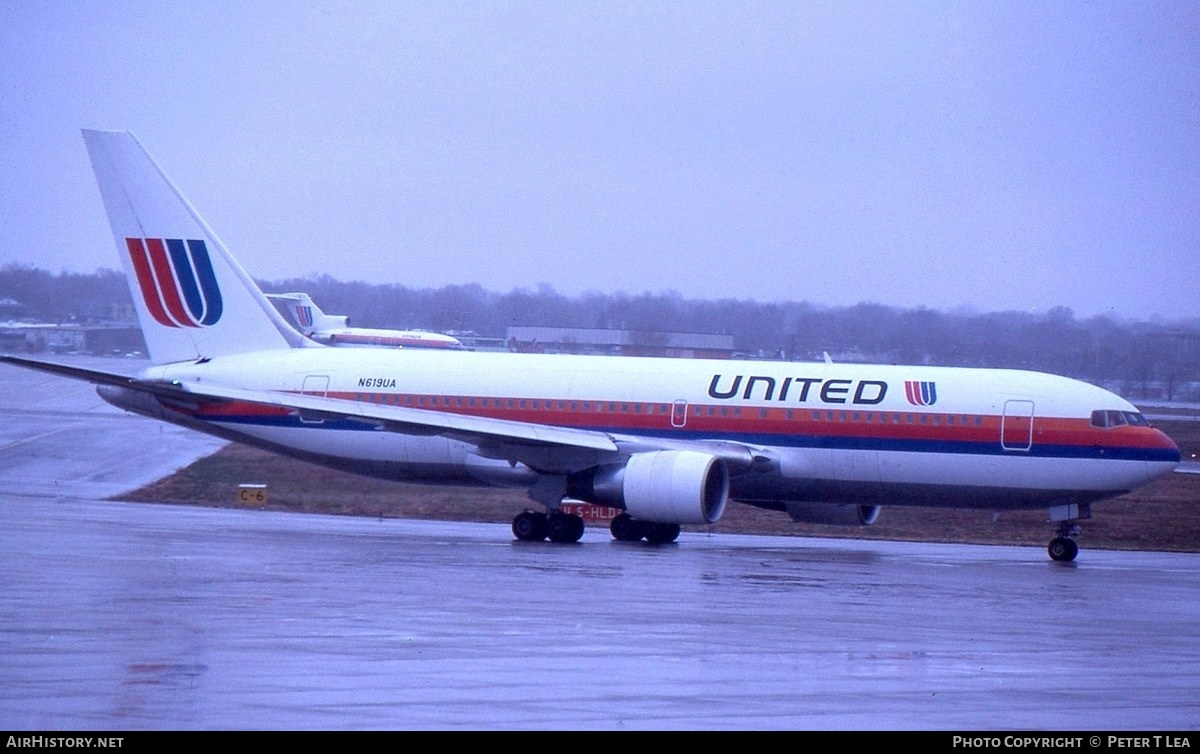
1136	419
1118	419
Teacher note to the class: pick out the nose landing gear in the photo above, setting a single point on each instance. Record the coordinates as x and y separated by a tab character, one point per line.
1063	547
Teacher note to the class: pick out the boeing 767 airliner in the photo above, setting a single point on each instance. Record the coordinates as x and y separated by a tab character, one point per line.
668	441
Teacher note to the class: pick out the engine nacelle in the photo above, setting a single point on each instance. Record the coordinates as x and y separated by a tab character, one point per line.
833	514
662	486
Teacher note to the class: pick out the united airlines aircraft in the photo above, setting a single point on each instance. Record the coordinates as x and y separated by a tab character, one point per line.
335	330
668	441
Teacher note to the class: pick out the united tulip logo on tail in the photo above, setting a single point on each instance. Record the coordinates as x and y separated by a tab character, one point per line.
177	281
304	315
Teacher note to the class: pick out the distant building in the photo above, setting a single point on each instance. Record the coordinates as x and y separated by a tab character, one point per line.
1182	346
473	341
39	337
10	308
619	342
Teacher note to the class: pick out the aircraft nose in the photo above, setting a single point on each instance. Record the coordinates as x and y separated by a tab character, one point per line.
1168	456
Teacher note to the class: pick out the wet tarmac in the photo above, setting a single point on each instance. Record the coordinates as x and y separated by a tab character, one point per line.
126	616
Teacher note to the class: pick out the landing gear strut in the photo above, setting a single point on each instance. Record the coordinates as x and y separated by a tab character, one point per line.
554	524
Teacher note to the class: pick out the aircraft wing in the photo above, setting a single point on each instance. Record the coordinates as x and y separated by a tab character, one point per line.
75	373
402	419
543	446
501	438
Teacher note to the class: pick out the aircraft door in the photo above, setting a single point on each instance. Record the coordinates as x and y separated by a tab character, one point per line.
318	385
679	413
315	384
1016	426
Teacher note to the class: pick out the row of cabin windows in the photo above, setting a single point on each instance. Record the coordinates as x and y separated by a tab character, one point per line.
867	417
422	401
889	417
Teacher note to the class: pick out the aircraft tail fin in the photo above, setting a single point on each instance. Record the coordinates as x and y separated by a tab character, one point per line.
306	315
192	297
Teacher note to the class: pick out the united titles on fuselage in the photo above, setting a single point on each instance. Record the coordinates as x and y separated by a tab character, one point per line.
798	389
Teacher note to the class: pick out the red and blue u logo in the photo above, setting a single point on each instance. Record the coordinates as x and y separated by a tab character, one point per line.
920	393
304	315
176	280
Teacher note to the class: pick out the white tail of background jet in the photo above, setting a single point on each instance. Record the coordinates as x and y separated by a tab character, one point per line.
193	299
335	330
308	316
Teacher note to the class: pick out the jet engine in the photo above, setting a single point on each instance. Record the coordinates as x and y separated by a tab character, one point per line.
833	514
662	486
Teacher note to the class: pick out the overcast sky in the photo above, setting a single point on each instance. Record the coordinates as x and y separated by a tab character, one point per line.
991	155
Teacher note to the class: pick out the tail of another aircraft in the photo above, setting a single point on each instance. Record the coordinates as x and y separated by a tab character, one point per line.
193	299
307	315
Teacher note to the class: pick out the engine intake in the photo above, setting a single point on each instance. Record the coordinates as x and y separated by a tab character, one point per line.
663	486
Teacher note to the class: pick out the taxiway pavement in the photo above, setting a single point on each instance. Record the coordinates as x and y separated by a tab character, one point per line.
129	616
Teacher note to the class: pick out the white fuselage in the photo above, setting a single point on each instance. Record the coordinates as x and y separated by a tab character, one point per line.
866	434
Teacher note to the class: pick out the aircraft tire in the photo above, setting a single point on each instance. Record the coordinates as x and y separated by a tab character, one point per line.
662	534
564	527
1063	549
624	528
529	526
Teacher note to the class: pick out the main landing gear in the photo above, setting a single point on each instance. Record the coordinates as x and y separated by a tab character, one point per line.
626	528
531	526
